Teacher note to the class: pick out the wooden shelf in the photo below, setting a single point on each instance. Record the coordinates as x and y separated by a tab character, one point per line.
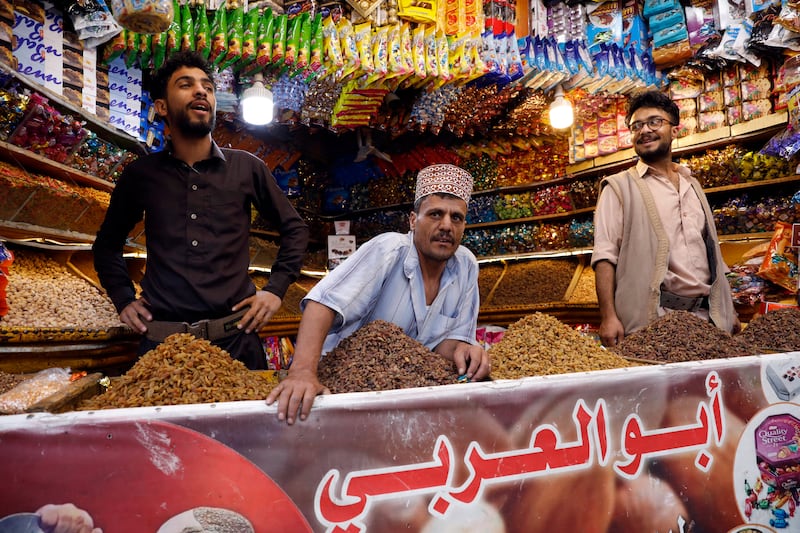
538	218
752	184
43	237
31	161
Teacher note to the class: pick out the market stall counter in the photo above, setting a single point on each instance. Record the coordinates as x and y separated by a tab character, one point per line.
703	446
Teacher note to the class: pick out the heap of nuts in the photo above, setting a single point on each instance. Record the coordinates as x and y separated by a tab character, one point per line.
41	293
182	370
540	344
380	356
682	336
777	330
533	282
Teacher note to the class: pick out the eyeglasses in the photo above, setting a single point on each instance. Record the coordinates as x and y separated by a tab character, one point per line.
653	123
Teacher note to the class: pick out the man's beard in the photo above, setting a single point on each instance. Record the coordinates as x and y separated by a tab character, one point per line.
655	155
193	128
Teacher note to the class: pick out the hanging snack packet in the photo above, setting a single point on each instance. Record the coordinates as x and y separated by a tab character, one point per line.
250	38
316	45
174	31
279	38
780	262
333	49
292	40
265	36
418	51
349	50
431	62
406	48
159	43
131	47
443	57
114	48
394	52
202	31
380	55
235	35
423	12
219	36
363	35
145	50
304	49
187	28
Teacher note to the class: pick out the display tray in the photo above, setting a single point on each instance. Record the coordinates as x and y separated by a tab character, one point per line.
14	335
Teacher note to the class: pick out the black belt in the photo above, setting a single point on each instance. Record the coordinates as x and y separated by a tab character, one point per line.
212	330
683	303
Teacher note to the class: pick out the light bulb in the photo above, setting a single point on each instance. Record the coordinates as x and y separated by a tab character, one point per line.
257	103
561	114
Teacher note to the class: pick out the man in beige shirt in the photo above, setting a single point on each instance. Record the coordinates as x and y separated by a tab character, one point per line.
656	247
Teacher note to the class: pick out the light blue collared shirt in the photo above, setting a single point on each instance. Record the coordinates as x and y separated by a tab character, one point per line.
382	280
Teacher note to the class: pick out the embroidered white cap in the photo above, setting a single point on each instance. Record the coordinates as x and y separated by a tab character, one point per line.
444	178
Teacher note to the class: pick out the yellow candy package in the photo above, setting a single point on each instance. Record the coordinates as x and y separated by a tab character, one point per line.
418	52
406	48
443	56
431	61
363	35
349	50
333	48
421	11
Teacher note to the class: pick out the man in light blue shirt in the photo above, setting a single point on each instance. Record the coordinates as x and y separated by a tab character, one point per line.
424	281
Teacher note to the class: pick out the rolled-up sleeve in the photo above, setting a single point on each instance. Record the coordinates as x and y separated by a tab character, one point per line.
607	228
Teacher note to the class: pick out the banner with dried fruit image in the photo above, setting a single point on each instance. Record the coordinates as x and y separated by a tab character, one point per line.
709	446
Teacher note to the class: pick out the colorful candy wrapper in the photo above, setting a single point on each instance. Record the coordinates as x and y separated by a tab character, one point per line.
131	47
292	40
333	49
159	43
431	47
363	36
265	36
418	51
420	12
114	48
347	38
316	47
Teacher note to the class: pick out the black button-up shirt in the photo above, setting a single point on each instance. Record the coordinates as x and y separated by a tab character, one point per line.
197	225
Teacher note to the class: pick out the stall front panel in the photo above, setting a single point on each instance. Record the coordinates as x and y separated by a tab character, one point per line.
711	446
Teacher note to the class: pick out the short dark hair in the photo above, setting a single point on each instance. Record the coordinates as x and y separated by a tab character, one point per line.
158	88
655	99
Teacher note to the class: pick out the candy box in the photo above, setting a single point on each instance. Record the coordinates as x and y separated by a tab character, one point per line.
777	441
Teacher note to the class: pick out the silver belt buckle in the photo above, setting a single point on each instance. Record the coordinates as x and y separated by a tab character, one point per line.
199	329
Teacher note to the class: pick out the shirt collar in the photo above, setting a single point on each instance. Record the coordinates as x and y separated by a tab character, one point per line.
642	169
216	152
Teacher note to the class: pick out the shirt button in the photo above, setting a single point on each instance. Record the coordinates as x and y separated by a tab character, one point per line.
194	243
194	187
193	216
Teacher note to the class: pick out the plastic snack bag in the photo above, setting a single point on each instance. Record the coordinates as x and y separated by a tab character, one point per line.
33	390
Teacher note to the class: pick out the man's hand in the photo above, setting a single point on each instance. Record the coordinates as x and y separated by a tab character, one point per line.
296	392
66	518
134	312
611	331
470	359
263	304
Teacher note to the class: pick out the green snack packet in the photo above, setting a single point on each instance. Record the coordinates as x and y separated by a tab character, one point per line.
145	50
202	42
114	48
279	39
250	41
219	39
131	47
235	35
265	37
187	28
174	31
304	48
159	48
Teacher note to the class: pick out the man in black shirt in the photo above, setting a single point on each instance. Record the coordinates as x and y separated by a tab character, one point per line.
196	199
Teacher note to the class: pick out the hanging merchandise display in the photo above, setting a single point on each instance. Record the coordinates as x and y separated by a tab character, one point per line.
143	16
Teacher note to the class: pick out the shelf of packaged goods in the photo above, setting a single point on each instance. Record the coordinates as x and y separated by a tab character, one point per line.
755	130
752	184
538	218
31	161
101	129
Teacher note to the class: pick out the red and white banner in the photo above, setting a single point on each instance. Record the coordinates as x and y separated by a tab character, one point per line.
710	446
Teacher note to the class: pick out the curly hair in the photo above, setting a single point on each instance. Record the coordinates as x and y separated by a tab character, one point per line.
158	88
655	99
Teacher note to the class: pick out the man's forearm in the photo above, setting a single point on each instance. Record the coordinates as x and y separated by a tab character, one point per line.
605	286
314	327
